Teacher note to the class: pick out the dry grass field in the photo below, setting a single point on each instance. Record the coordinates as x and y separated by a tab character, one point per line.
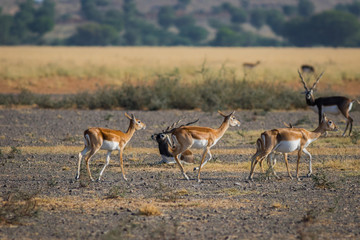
63	70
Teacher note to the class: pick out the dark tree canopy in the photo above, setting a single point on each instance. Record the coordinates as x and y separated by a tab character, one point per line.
166	16
330	28
104	22
306	8
94	34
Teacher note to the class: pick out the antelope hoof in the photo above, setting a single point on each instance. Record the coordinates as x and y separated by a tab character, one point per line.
291	177
309	174
195	169
298	179
98	180
92	179
186	177
199	180
77	177
125	179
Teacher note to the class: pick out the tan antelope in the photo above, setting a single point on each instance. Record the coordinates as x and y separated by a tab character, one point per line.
271	160
250	65
331	105
187	137
287	140
102	138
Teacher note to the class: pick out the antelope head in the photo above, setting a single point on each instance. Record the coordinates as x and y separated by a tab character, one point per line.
328	124
137	123
232	120
309	92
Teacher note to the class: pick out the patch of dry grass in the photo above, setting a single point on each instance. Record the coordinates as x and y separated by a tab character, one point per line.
337	165
346	165
149	210
16	206
235	192
276	205
79	204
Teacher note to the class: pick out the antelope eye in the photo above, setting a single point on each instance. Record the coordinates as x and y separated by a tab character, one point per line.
161	135
138	122
330	122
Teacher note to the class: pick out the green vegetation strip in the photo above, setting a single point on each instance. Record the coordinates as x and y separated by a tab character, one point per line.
167	92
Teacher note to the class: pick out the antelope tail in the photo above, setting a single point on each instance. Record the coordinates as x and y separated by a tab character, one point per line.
86	140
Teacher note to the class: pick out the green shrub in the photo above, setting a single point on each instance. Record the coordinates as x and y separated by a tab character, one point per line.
214	91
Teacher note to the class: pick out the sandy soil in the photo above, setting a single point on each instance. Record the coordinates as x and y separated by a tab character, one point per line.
41	166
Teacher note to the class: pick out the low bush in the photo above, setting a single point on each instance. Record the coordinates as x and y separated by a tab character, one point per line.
169	92
17	206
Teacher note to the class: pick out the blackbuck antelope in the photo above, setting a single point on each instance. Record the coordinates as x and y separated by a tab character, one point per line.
307	68
287	140
187	137
250	65
332	105
164	143
271	163
102	138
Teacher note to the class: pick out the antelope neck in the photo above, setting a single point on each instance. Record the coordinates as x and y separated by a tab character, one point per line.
317	132
223	127
131	129
311	101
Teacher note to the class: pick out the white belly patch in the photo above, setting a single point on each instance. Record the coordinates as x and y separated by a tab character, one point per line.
108	145
199	143
287	146
327	109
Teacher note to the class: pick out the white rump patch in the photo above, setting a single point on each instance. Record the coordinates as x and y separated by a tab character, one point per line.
350	106
109	145
86	140
288	146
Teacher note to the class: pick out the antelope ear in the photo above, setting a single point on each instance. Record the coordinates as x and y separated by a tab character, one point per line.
133	117
127	115
324	118
222	114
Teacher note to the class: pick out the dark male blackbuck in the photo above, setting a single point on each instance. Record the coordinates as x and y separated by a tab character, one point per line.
332	105
305	68
164	143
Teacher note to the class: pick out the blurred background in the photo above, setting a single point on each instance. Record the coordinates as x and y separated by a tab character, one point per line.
332	23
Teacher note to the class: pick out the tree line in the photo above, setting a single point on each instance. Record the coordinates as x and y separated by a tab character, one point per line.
295	25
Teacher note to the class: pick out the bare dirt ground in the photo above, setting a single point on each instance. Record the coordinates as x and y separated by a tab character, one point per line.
40	199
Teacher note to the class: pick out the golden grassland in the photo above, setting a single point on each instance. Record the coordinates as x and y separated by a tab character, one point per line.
74	69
